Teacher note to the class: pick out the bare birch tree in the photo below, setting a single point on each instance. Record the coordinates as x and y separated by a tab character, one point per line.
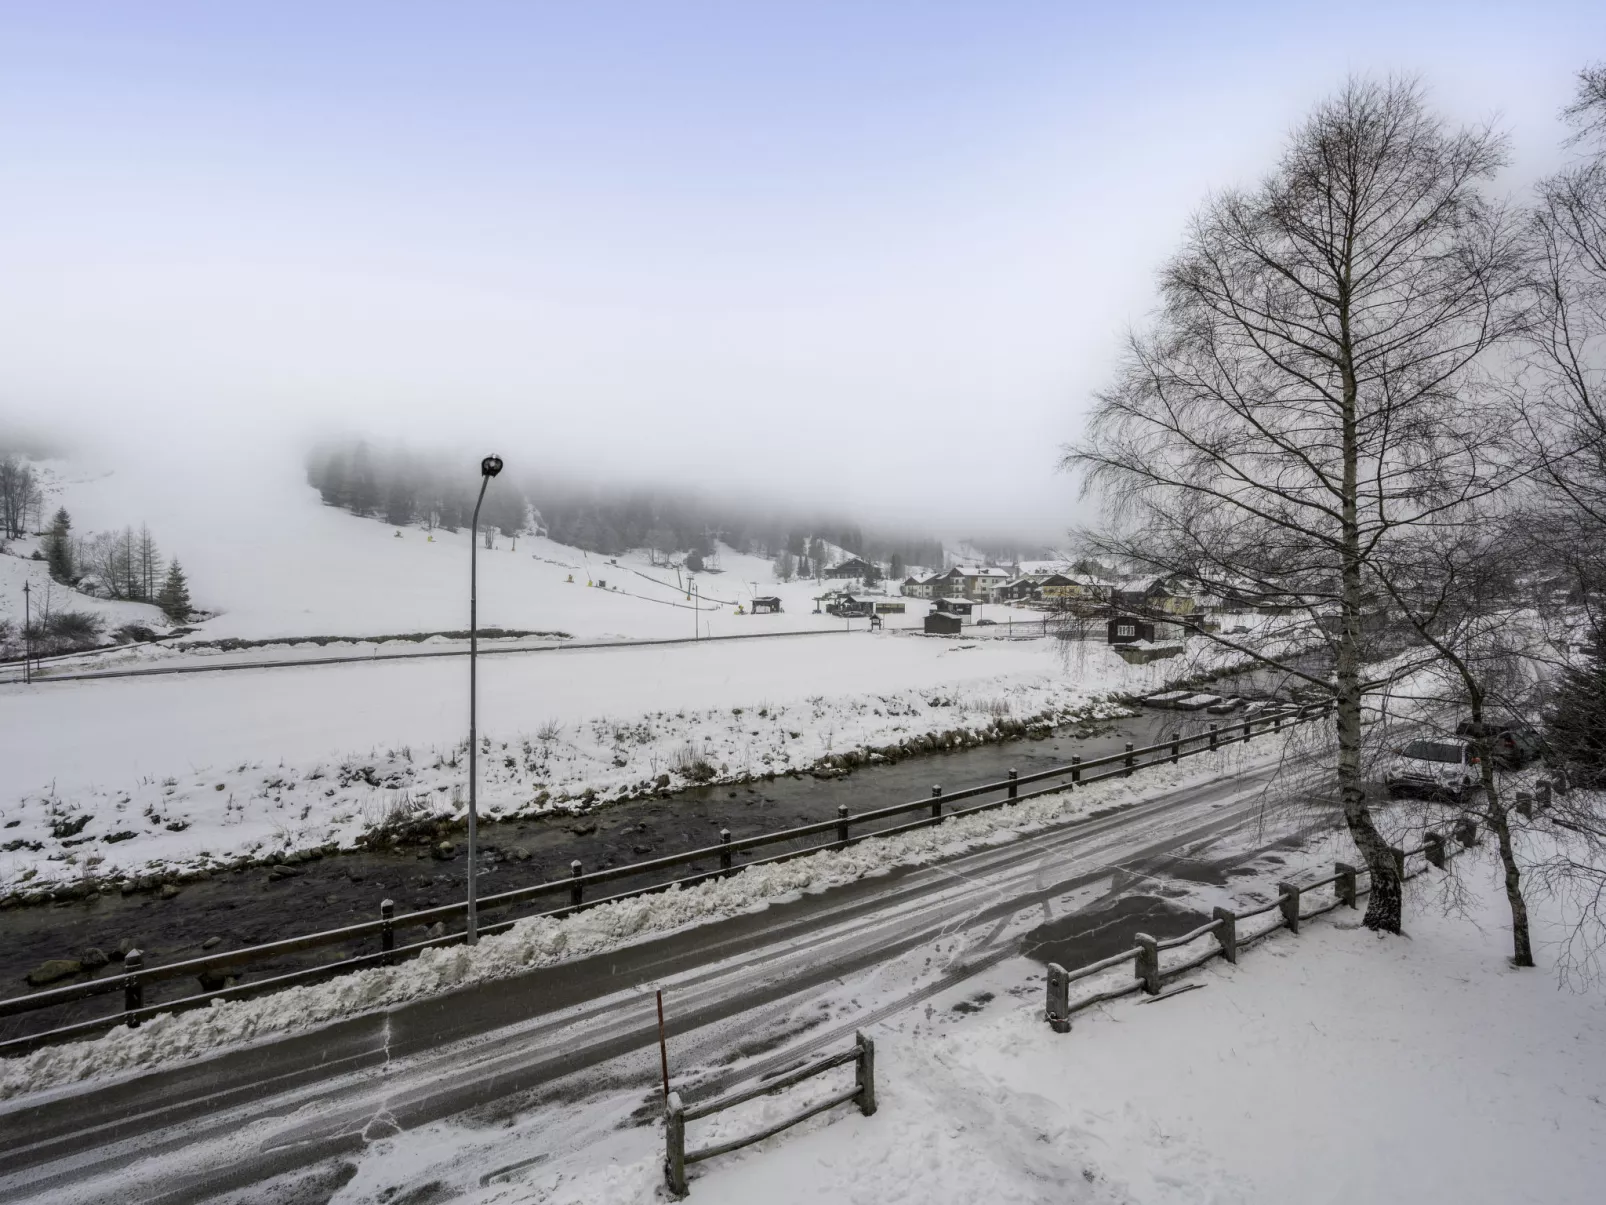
1311	387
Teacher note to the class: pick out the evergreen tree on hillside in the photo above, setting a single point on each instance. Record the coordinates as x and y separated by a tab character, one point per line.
148	564
1576	724
399	502
896	568
329	476
174	598
58	547
364	492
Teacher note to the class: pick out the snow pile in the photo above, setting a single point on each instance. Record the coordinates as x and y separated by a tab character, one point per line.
1335	1065
540	941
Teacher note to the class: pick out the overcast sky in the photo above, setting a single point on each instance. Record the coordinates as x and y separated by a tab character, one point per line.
875	253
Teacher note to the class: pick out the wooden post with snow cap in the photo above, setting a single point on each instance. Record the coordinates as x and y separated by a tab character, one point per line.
675	1146
936	801
1146	965
842	824
1076	768
1014	784
576	887
1525	804
1466	831
1433	849
864	1073
1227	933
1058	1006
725	852
1215	736
1288	902
1344	885
134	989
1176	747
1127	761
387	930
1543	790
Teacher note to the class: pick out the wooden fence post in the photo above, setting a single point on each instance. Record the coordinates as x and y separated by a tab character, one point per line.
1276	721
1146	966
1176	747
1076	768
936	802
864	1073
1249	730
1058	1009
1288	901
576	887
1227	933
133	990
842	824
1128	761
1466	831
1525	804
387	930
1433	849
725	852
1543	789
1344	888
1014	784
675	1145
1214	735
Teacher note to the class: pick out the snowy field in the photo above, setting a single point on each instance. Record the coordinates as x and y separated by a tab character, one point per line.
1333	1066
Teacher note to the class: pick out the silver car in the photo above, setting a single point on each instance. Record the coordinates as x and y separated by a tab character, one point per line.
1433	769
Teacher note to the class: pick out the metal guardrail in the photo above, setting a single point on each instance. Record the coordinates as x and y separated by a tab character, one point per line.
1150	972
936	808
676	1114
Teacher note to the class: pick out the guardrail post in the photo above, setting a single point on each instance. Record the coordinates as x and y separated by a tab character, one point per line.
936	801
387	929
1058	1008
842	824
1227	933
1525	804
1176	747
1466	831
576	887
1544	795
1076	768
1288	901
133	990
1344	888
1398	855
1214	736
1128	762
725	851
864	1073
1248	730
1276	721
675	1145
1433	849
1146	966
1014	784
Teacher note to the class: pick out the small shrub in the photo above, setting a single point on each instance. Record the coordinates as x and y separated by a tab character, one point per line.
692	766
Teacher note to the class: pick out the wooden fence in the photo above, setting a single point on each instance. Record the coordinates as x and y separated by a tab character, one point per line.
935	809
676	1157
1150	970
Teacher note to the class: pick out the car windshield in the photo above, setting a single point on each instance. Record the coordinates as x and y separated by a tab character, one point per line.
1433	751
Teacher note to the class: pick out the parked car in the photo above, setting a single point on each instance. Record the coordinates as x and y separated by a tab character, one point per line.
1515	744
1443	768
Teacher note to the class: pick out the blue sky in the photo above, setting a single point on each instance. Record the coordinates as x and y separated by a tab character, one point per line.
843	250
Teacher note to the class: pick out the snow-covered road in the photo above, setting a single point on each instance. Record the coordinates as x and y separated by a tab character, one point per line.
301	1106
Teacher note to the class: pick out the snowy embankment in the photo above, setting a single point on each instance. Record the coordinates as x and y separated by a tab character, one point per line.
183	773
1333	1066
541	941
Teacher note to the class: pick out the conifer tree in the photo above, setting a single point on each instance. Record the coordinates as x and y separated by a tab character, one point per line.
1576	725
58	547
174	598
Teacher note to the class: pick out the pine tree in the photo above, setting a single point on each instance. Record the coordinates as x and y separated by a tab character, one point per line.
1576	724
174	598
58	547
149	565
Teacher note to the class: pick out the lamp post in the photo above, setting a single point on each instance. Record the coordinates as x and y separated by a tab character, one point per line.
489	467
27	636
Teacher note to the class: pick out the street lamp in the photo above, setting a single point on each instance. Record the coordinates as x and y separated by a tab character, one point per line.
27	636
489	467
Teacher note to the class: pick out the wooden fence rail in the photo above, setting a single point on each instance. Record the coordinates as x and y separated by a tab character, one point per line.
676	1115
1150	971
719	859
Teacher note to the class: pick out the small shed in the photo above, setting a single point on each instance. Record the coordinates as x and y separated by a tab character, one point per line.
954	606
939	623
765	603
1126	630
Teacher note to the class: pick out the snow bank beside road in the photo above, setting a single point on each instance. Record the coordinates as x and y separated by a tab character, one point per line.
542	941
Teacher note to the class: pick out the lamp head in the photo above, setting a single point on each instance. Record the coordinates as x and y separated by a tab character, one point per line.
490	466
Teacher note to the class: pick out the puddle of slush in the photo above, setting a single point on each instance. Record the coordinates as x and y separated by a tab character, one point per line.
1085	937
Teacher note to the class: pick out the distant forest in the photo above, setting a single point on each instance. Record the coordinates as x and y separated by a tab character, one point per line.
403	489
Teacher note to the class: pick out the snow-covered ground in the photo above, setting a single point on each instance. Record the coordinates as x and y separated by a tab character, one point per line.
1333	1066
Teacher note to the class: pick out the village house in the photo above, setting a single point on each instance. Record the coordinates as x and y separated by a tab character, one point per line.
854	567
917	587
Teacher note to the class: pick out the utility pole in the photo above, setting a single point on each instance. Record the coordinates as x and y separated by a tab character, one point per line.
27	636
489	467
